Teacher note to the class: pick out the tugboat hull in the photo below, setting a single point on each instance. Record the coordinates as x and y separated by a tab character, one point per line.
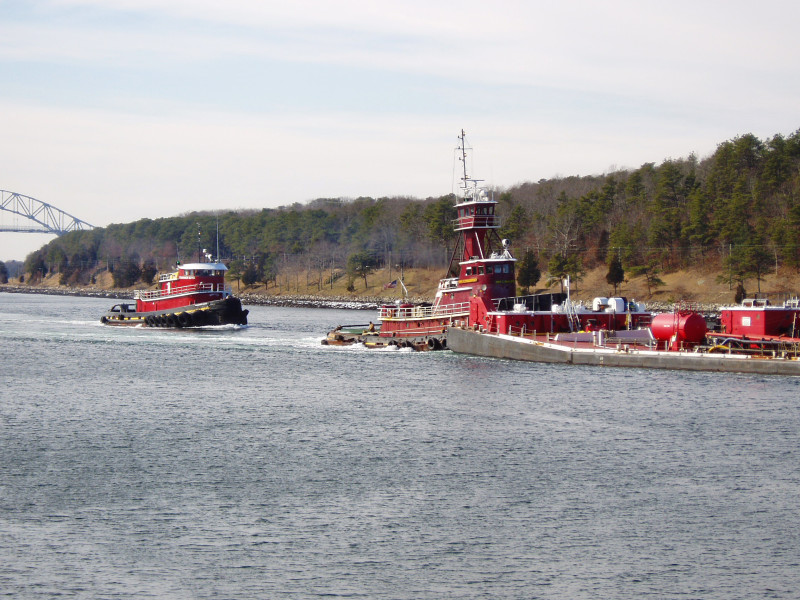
227	311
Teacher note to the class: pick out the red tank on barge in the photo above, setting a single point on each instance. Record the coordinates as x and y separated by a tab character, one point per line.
193	295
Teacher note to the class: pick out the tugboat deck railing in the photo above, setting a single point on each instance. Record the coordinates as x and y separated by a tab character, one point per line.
424	312
197	288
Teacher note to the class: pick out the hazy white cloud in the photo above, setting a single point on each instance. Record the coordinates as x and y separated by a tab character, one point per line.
120	109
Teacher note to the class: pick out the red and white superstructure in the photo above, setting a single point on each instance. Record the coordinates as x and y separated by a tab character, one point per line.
190	284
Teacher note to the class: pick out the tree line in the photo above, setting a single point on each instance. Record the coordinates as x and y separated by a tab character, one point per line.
736	212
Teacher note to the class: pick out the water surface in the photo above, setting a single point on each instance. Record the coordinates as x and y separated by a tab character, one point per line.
256	463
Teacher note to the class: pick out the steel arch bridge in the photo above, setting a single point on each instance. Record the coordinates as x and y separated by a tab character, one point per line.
47	218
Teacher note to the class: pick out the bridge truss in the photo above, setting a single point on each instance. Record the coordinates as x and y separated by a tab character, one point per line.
47	218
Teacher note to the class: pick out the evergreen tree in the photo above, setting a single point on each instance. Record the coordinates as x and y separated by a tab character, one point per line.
148	272
616	274
126	274
750	261
651	272
516	224
439	217
251	274
557	270
235	270
528	273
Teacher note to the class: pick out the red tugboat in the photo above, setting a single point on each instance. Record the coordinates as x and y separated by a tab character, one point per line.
481	266
194	295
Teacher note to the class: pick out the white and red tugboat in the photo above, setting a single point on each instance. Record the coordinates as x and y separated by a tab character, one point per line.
481	265
194	295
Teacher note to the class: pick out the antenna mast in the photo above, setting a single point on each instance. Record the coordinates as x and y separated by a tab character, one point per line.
217	238
463	159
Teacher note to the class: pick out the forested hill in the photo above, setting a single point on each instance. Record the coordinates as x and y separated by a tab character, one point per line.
737	211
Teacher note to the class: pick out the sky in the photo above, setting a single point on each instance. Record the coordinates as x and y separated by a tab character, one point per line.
117	110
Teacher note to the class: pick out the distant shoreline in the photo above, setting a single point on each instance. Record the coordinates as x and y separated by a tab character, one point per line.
247	299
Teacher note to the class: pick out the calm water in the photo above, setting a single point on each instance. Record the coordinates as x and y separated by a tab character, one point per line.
256	463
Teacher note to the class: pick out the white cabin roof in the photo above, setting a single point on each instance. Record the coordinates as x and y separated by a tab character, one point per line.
207	266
